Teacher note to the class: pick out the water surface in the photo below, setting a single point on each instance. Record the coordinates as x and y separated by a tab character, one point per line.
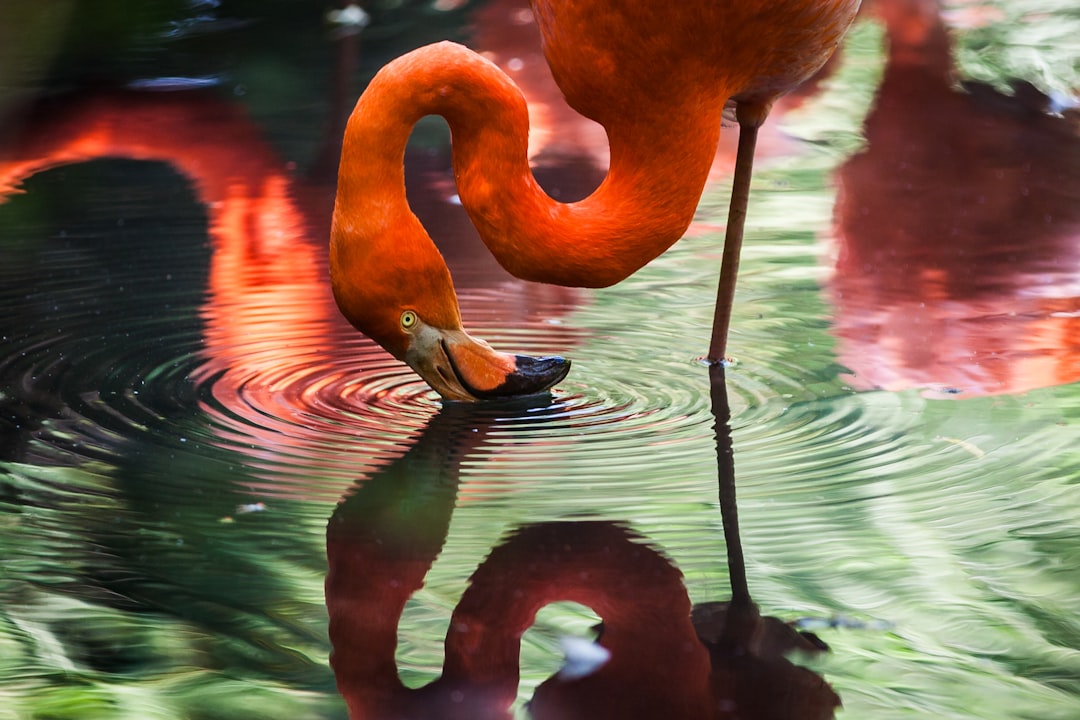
189	426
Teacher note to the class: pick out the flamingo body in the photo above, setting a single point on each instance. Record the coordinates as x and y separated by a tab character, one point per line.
656	75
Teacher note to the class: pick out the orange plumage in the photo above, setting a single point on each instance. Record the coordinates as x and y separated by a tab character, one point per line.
655	74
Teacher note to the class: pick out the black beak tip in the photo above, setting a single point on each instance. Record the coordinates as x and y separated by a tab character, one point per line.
532	375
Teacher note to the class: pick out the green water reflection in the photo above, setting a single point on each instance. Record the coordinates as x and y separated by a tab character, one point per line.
167	484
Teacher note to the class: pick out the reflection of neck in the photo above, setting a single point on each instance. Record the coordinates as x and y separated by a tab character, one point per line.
637	593
658	168
380	543
382	540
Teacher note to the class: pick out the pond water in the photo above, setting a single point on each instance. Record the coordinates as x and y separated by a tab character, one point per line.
209	481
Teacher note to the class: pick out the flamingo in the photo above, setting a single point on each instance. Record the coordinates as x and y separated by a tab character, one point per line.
655	75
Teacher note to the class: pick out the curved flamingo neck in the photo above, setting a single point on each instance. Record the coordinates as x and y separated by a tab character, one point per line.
660	158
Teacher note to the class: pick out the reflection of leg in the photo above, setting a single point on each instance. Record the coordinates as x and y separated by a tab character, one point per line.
749	651
750	119
725	470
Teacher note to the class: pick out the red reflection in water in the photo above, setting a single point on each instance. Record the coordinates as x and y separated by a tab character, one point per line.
272	330
265	279
958	264
665	661
268	228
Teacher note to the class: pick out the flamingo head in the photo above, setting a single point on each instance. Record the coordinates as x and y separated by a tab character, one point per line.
406	303
461	367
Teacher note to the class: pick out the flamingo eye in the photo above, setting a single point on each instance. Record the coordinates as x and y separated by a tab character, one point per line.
408	319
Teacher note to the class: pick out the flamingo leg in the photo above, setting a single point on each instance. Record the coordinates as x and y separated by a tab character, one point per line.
749	122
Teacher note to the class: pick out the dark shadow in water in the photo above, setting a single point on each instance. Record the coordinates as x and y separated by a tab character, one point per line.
716	660
958	228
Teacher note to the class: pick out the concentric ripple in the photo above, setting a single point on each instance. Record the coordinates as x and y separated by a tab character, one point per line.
253	364
343	406
271	375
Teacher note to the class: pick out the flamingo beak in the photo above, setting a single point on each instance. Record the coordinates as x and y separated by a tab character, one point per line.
460	367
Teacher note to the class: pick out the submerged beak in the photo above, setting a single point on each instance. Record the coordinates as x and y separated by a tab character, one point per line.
461	367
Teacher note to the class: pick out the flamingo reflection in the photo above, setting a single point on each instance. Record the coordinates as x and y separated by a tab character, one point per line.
958	226
665	658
